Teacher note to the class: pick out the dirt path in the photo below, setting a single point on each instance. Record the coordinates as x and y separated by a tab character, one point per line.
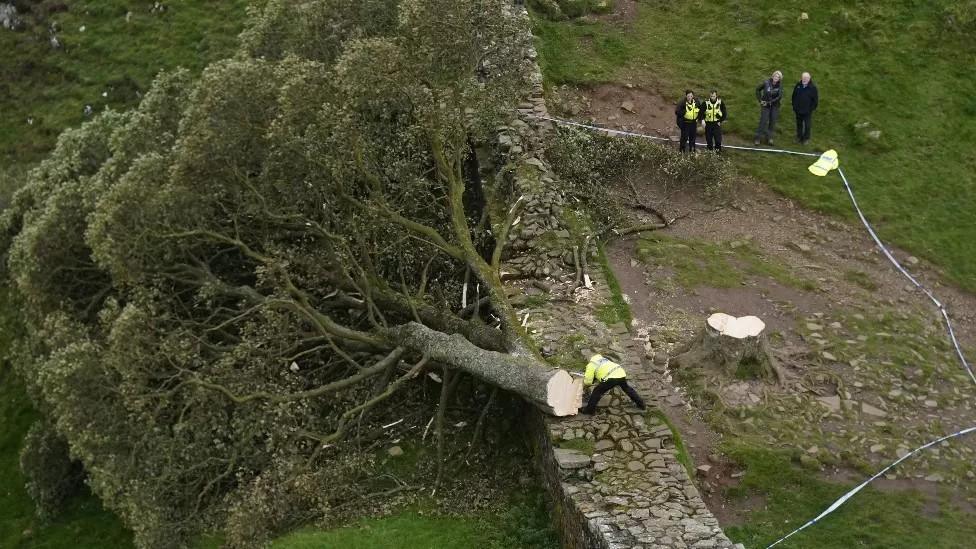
870	371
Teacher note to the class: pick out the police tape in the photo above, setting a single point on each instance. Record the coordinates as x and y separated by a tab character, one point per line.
919	285
840	501
887	253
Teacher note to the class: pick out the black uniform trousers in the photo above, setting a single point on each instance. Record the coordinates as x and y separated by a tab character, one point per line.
689	132
713	136
803	122
604	386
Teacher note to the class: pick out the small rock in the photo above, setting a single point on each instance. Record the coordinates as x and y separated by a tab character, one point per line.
814	327
813	450
931	404
809	462
912	260
871	410
828	356
832	402
571	459
635	466
603	445
876	448
628	106
935	477
395	451
804	16
703	470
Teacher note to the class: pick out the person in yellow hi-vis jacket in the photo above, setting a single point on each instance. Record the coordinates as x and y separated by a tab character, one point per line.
607	375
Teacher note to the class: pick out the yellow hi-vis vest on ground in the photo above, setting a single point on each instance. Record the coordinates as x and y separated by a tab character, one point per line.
713	111
691	111
601	369
827	161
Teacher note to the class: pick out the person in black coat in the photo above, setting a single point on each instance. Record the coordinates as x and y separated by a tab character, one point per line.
714	113
769	93
687	115
805	101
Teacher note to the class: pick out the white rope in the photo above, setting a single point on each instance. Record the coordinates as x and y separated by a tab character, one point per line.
840	501
891	258
657	138
850	192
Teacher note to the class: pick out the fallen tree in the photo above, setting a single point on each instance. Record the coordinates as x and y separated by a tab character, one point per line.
220	284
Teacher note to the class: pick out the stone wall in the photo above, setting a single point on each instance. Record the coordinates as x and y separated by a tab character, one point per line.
615	478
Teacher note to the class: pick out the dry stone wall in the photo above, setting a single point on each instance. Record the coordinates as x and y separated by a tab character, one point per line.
615	477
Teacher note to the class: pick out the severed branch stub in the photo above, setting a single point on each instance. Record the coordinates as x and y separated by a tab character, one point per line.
735	346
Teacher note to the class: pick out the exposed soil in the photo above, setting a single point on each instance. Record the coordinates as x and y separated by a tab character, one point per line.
624	13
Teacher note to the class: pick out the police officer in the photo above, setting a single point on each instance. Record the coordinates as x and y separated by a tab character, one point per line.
607	374
714	114
687	114
769	93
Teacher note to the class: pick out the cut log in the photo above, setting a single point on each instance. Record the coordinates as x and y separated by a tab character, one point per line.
551	389
735	346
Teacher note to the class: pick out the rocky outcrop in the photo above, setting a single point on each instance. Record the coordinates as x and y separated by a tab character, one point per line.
9	18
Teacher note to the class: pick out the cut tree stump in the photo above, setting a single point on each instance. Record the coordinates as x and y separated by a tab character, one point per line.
736	346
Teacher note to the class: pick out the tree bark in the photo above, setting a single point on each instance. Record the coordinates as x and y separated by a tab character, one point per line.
551	389
735	346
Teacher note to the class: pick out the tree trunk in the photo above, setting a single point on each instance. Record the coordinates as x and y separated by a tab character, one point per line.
735	346
551	389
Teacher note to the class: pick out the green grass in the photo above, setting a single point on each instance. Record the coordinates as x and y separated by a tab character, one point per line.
861	279
84	524
616	311
111	56
581	444
892	63
793	495
698	263
526	525
684	457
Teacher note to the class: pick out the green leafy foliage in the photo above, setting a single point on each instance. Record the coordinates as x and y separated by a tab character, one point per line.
599	169
52	476
198	273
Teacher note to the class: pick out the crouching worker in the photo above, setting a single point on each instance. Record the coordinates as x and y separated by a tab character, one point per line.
607	375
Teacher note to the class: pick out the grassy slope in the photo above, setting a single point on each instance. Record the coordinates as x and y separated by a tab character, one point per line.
52	87
526	525
870	519
890	63
111	55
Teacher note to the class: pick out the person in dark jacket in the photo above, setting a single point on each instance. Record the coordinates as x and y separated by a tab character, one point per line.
769	93
714	113
687	114
805	101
